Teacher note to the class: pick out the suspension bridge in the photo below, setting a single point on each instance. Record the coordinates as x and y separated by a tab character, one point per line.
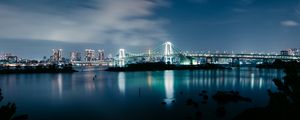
170	54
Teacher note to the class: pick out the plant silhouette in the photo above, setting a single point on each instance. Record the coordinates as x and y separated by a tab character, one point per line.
7	112
284	103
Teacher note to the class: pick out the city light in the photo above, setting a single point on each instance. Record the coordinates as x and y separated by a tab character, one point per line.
167	55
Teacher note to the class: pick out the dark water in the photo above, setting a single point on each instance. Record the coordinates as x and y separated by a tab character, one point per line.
116	96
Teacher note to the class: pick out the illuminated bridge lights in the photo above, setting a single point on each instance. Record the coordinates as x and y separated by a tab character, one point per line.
168	54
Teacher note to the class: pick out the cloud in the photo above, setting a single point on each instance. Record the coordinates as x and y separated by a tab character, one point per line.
289	23
122	22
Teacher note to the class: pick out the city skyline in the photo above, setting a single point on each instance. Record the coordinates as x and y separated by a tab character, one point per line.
138	25
166	48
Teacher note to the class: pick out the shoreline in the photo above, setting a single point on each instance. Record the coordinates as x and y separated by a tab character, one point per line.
163	66
38	69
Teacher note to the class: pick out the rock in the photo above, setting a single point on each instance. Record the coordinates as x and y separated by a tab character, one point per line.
205	97
204	91
227	97
203	102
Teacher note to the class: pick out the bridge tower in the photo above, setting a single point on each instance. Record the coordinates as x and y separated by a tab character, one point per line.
121	57
168	53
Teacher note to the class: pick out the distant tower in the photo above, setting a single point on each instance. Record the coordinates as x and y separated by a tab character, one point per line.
122	57
75	56
56	55
101	55
168	53
89	55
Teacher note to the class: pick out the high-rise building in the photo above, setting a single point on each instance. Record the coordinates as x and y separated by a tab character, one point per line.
284	52
56	55
75	56
89	55
10	58
293	51
101	55
110	56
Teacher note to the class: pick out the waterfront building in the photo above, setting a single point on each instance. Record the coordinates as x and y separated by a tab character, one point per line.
9	58
56	55
75	56
284	52
101	55
89	55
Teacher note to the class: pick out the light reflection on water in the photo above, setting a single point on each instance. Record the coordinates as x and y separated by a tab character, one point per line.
94	92
121	82
169	85
60	85
149	79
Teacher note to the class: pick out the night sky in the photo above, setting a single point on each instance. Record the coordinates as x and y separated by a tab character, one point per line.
31	28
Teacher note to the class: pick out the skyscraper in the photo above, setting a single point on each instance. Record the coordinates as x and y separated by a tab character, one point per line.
293	51
89	55
101	55
75	56
56	55
284	52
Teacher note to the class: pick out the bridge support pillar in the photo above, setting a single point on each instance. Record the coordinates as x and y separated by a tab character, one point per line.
168	53
121	57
